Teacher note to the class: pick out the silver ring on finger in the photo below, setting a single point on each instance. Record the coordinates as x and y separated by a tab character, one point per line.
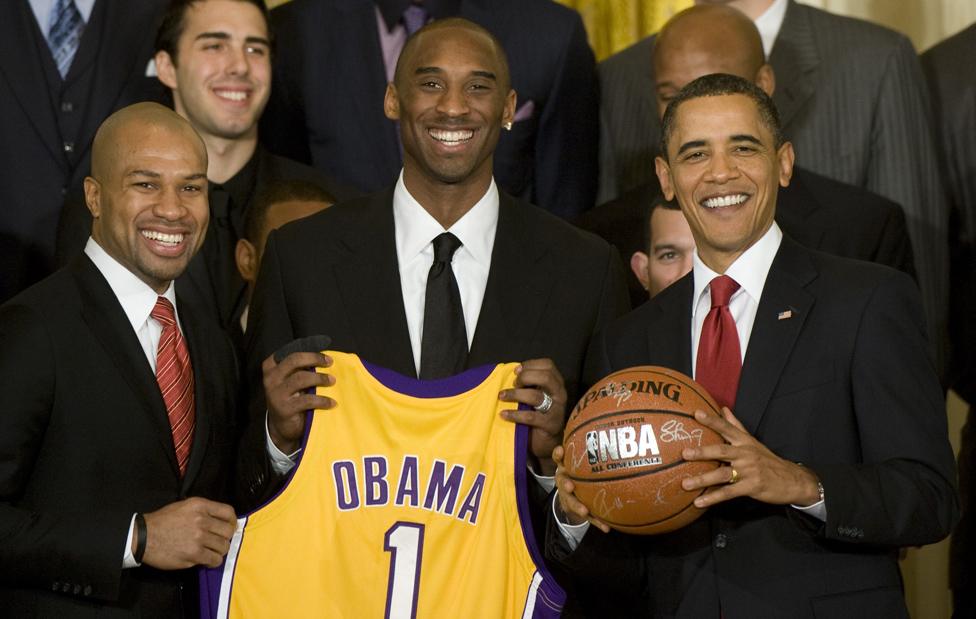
546	403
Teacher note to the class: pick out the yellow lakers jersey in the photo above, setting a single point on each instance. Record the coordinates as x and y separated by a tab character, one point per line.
408	501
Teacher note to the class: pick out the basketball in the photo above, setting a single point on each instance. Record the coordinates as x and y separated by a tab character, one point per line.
623	444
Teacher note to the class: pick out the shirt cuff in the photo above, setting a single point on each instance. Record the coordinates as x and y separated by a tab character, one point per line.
128	559
281	462
572	533
818	510
547	482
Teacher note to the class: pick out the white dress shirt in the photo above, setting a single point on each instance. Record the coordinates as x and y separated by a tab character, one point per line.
769	24
750	271
137	300
415	230
42	11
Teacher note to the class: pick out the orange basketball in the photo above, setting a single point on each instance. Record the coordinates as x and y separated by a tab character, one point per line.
623	444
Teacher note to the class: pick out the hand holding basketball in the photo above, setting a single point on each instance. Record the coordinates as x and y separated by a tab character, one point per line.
760	474
574	512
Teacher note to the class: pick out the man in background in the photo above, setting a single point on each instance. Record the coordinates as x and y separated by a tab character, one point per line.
65	65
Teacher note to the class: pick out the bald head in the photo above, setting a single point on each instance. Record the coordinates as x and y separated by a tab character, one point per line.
119	130
438	28
708	39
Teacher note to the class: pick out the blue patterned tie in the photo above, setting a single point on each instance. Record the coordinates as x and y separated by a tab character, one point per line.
64	34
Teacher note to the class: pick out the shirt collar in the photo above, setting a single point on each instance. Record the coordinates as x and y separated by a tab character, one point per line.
392	10
416	228
241	185
749	270
769	24
135	296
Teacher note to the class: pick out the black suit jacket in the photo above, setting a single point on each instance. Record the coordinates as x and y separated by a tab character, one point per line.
550	287
952	82
846	386
326	106
85	442
818	212
38	168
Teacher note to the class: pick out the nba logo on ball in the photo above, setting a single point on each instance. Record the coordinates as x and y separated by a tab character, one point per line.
623	443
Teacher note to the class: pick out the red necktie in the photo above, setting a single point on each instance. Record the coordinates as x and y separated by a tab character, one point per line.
719	359
175	377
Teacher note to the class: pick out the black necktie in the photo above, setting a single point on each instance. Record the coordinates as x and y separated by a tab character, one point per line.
444	347
226	279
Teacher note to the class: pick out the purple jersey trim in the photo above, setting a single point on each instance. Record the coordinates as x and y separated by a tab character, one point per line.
550	597
437	388
210	590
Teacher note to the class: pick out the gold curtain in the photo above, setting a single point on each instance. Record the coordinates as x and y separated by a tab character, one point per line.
613	25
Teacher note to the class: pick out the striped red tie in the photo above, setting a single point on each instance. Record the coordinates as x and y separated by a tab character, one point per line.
175	377
719	356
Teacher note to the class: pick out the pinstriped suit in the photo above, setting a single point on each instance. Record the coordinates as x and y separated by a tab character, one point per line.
952	81
852	100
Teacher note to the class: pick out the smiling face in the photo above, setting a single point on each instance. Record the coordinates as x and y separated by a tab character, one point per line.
221	75
725	170
148	198
451	97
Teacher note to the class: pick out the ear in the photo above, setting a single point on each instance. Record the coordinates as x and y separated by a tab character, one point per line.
93	197
391	102
638	264
785	156
508	112
246	257
664	177
766	79
165	69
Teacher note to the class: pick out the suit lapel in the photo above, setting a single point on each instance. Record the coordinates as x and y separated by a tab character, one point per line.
112	328
204	390
669	334
369	285
358	31
21	65
517	290
774	332
116	55
795	60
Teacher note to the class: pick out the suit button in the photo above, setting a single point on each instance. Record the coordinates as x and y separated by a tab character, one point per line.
87	590
76	590
66	587
721	540
56	586
69	147
67	106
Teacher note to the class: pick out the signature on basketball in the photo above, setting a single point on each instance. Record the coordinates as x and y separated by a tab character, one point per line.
673	430
619	392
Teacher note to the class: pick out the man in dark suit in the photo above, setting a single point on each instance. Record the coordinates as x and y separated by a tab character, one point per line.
951	76
824	362
853	101
334	60
215	58
529	285
818	212
118	398
49	111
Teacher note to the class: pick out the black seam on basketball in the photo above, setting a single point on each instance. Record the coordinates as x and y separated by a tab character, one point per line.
686	384
600	480
629	411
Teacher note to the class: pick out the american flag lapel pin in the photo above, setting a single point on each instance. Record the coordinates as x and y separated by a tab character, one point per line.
785	315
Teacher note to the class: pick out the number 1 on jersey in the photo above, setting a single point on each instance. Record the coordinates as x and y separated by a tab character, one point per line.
405	542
